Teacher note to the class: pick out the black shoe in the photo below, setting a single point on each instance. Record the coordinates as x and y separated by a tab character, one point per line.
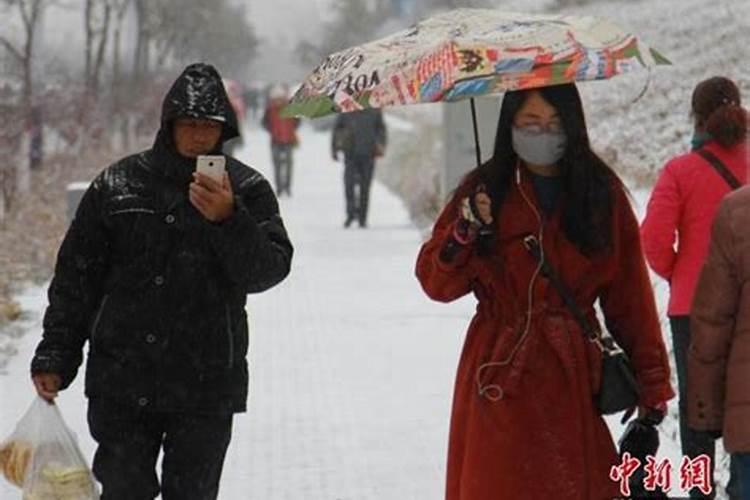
362	224
348	221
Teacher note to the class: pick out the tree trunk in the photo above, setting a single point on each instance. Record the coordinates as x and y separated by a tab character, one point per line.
30	21
103	37
89	30
23	168
139	60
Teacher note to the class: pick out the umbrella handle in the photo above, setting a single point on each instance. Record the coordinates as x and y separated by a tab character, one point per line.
476	132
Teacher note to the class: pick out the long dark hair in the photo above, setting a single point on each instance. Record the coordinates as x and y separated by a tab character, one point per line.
716	107
587	180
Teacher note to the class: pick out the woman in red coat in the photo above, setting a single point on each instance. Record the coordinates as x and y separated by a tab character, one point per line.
524	424
681	209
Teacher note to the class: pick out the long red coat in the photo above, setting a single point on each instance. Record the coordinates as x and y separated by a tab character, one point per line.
544	439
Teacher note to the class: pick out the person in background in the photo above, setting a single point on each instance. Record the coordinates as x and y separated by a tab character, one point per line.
718	393
284	139
361	136
252	99
154	273
680	211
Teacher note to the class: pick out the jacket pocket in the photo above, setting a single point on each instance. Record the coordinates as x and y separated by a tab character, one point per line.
135	225
130	204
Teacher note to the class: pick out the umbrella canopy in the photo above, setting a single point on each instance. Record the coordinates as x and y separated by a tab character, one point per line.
466	53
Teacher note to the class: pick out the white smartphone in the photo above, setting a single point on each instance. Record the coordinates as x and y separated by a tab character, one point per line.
211	165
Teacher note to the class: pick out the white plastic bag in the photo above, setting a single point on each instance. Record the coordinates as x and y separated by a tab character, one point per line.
42	457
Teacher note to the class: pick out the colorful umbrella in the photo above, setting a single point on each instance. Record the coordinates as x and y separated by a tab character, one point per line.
466	53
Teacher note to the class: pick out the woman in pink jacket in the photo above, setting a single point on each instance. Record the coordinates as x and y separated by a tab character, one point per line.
681	209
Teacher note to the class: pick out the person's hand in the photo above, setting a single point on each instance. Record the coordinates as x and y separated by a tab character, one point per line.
214	200
477	210
475	216
379	150
653	415
47	385
335	156
483	206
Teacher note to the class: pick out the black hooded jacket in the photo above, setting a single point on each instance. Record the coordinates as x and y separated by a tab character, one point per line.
158	290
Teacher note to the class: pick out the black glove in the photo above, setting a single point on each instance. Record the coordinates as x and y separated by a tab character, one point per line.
641	440
653	416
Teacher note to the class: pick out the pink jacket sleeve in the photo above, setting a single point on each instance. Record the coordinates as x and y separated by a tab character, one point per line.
659	227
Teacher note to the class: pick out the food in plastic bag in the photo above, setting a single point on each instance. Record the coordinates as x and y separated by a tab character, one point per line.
14	459
42	457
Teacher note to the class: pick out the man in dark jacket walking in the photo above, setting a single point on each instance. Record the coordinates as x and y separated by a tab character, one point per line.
154	273
361	135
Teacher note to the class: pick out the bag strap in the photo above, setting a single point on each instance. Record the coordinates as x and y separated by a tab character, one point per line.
720	168
606	344
532	245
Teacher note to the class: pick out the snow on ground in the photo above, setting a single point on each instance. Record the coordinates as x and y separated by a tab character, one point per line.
352	366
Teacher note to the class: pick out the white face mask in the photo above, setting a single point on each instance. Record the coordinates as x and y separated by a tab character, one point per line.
539	147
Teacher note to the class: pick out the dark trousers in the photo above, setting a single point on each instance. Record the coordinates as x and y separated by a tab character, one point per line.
694	443
282	167
129	442
358	170
743	470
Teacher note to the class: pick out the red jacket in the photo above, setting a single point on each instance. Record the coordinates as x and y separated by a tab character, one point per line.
544	438
282	130
681	209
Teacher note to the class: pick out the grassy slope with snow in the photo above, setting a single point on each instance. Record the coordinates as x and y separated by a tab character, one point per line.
702	39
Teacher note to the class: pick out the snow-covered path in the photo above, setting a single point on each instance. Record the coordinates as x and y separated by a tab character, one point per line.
352	366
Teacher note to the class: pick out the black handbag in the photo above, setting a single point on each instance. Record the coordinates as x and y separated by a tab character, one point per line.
618	390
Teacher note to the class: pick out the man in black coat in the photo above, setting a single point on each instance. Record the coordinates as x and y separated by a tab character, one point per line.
361	135
154	272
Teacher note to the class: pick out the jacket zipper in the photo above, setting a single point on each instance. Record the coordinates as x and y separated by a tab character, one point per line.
230	337
98	317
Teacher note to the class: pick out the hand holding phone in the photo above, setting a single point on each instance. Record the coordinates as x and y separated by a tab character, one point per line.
212	166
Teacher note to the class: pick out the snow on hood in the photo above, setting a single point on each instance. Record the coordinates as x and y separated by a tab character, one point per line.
199	93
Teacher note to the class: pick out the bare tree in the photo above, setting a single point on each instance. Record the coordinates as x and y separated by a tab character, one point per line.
97	14
145	23
187	30
120	9
22	54
355	22
30	13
